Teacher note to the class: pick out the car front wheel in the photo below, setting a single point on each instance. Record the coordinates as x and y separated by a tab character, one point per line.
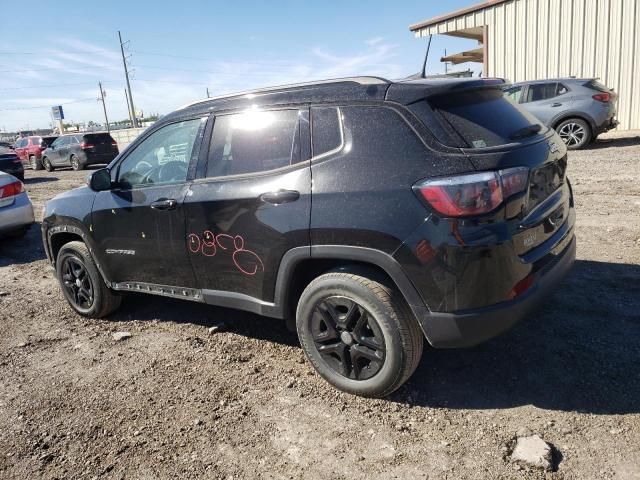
82	284
46	163
359	334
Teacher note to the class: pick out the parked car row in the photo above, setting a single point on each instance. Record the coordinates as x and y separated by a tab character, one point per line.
74	150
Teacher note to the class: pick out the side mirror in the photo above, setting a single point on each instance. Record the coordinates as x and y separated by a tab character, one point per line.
99	180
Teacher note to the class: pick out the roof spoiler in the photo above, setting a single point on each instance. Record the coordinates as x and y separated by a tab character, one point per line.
412	91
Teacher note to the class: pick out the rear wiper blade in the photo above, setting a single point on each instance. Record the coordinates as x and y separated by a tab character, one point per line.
526	131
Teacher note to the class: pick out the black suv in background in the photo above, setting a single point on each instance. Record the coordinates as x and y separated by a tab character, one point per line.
79	150
438	209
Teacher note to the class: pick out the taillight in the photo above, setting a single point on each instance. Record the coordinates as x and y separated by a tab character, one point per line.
114	144
85	146
602	97
11	189
473	194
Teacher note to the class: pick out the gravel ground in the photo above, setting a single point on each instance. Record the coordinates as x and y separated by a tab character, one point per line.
173	401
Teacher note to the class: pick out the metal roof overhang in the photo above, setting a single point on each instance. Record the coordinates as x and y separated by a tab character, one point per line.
475	55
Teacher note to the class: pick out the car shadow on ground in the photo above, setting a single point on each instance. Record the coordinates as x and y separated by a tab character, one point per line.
614	142
33	181
25	249
580	352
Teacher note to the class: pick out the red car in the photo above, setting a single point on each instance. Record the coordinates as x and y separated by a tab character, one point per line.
29	149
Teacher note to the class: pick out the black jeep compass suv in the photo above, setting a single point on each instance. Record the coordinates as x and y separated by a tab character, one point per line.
368	214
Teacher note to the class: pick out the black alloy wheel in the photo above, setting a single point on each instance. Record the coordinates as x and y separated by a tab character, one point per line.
77	283
348	338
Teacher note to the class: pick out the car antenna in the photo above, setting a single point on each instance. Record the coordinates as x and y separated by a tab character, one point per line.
426	56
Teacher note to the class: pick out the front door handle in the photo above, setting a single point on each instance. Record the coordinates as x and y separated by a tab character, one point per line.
280	196
164	204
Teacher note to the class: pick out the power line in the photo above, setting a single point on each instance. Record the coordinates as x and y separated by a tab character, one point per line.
50	86
47	106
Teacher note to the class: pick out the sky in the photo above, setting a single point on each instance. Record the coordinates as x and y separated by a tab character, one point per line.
55	53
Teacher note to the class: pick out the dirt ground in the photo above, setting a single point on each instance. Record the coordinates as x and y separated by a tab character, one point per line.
173	401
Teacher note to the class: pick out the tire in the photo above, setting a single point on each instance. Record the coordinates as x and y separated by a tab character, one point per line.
575	133
46	163
376	344
75	163
35	163
82	284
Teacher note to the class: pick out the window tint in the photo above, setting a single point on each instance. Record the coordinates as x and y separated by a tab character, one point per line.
482	118
98	138
163	157
73	140
541	91
326	126
253	141
561	89
62	141
514	93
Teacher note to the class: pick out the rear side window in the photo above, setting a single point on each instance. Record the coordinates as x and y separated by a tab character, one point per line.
253	141
478	118
326	130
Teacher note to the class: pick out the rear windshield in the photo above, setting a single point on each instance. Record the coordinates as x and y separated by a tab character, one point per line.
477	119
596	85
99	138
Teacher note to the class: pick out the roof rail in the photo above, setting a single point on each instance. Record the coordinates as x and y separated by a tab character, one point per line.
364	80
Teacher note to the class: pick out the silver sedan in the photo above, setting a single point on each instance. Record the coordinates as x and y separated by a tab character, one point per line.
16	211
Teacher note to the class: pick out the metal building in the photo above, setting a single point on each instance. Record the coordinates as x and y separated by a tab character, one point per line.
536	39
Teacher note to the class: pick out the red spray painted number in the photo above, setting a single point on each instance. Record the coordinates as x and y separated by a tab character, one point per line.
246	261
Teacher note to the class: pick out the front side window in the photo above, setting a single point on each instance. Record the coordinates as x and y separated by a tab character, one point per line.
541	91
253	141
163	157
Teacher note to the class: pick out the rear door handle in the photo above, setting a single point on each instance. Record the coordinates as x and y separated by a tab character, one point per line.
556	104
280	196
164	204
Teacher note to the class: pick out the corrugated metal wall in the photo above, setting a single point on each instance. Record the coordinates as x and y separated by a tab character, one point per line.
535	39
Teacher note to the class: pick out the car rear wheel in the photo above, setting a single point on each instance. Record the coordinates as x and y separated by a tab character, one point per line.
75	163
46	163
574	132
358	334
82	284
35	163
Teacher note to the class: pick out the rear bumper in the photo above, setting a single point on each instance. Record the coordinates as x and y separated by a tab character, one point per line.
470	327
17	215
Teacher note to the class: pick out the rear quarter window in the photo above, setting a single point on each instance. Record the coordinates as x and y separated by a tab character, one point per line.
326	130
475	118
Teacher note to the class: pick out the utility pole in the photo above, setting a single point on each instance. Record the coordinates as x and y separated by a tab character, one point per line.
446	64
126	74
104	107
207	92
126	97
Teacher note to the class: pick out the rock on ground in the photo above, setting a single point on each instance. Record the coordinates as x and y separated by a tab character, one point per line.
533	451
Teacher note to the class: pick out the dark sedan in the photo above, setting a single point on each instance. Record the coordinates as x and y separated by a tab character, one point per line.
10	163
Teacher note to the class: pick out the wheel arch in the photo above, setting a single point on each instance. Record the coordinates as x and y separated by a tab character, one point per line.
580	115
301	265
59	235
